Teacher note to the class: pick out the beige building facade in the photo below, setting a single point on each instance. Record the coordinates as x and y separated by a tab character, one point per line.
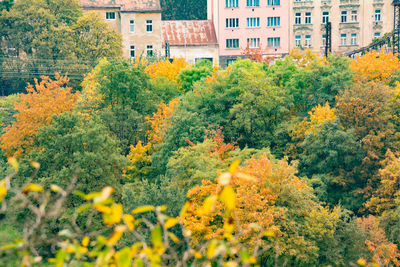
139	23
355	23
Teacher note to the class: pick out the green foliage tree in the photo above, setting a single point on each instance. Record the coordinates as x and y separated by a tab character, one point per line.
187	77
54	36
70	147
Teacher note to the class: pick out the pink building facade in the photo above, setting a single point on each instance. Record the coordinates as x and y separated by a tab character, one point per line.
258	24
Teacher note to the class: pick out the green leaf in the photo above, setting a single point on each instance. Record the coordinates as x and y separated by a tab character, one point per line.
156	236
124	257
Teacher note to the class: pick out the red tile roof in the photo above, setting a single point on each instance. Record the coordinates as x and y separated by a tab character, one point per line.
124	5
196	32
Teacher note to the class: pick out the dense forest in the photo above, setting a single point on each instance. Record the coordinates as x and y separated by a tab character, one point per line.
294	162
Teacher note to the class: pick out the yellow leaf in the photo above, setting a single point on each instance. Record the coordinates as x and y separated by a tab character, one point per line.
124	257
14	163
129	221
234	166
54	188
224	179
269	233
85	241
116	235
142	209
105	194
171	222
211	249
32	188
362	262
83	249
246	177
228	197
35	164
184	209
102	208
114	216
209	204
3	189
173	237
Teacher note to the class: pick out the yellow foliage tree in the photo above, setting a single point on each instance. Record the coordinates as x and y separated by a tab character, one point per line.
317	116
35	110
304	58
166	68
259	186
374	65
140	155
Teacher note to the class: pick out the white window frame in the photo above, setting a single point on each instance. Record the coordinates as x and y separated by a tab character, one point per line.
307	40
132	49
252	3
343	39
325	17
343	16
253	42
297	18
149	50
324	40
354	16
273	2
378	15
353	38
149	25
231	3
253	22
231	23
273	21
232	43
297	41
131	26
274	42
307	18
108	14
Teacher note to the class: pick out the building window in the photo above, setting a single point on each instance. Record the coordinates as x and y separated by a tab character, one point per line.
377	15
131	26
253	22
324	40
325	17
274	42
343	39
273	3
344	17
307	42
232	3
274	21
230	61
253	42
297	18
354	16
308	18
297	40
232	43
110	15
251	3
232	23
377	35
149	25
353	40
132	51
149	50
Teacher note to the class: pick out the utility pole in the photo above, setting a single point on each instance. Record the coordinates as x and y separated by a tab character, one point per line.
328	38
396	27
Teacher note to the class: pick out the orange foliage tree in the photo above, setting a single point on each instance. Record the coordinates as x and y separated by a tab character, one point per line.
383	252
35	110
167	69
257	54
375	65
266	190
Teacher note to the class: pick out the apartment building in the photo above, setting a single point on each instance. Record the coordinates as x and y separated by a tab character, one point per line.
139	22
258	24
355	23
